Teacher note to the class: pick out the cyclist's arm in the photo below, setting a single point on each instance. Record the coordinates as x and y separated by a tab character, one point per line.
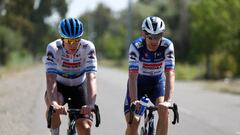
133	86
91	88
91	70
133	67
170	79
52	88
50	66
169	72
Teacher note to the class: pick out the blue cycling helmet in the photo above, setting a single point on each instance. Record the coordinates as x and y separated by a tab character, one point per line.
70	28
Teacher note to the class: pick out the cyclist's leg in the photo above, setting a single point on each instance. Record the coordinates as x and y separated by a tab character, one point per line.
132	129
78	96
56	122
162	124
84	126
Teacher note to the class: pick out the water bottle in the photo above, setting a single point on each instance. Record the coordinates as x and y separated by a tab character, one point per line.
143	105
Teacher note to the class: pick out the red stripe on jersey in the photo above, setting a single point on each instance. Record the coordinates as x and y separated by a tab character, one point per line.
133	71
169	70
152	64
71	64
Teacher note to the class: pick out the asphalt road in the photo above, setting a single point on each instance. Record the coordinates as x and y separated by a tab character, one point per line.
201	111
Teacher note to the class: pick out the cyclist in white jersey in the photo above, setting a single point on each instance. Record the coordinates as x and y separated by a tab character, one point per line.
71	67
151	73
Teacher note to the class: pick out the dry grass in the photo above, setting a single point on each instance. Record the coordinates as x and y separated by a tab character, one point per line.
226	85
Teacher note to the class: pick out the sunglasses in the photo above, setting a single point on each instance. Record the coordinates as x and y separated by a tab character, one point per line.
71	40
154	37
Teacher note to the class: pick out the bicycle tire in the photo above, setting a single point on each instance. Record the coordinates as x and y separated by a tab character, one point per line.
151	127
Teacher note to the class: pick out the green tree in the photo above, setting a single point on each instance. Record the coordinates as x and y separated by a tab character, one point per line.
97	23
9	43
28	18
41	29
213	30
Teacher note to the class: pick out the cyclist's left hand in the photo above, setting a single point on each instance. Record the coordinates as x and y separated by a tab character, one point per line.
164	105
86	109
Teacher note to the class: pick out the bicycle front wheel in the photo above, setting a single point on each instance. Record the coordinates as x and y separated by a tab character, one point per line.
143	131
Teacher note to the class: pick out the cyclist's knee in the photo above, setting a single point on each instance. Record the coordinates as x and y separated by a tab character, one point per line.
84	124
134	125
132	129
56	122
163	114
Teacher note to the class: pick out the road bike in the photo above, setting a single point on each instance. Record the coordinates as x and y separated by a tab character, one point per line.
148	127
73	115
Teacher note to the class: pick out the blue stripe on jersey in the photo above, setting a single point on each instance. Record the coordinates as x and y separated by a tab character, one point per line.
132	67
70	75
91	68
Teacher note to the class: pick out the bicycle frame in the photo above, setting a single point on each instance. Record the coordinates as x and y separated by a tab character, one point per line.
148	127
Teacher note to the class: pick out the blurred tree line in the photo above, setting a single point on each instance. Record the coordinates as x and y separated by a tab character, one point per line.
23	31
204	32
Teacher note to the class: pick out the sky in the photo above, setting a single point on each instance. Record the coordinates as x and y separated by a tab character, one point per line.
78	7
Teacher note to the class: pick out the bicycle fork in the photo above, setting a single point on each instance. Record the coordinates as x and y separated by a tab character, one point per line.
148	128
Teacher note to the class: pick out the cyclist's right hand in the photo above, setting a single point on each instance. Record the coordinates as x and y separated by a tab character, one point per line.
59	108
137	105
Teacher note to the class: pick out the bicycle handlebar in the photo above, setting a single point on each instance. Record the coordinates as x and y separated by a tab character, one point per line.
173	107
95	110
175	112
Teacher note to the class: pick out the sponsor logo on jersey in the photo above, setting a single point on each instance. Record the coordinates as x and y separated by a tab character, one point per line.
139	44
149	72
152	65
71	64
91	54
50	56
170	54
133	56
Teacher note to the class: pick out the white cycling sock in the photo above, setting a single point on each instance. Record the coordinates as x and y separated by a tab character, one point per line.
54	131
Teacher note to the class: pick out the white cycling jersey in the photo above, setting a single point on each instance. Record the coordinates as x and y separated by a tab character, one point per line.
70	70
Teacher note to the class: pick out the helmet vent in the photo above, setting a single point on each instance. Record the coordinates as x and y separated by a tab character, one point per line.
146	23
154	26
67	27
72	26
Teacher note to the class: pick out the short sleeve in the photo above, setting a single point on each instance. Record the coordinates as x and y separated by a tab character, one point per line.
91	59
49	60
169	58
133	59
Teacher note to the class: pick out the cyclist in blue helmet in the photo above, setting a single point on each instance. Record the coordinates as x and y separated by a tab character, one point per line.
71	67
151	73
